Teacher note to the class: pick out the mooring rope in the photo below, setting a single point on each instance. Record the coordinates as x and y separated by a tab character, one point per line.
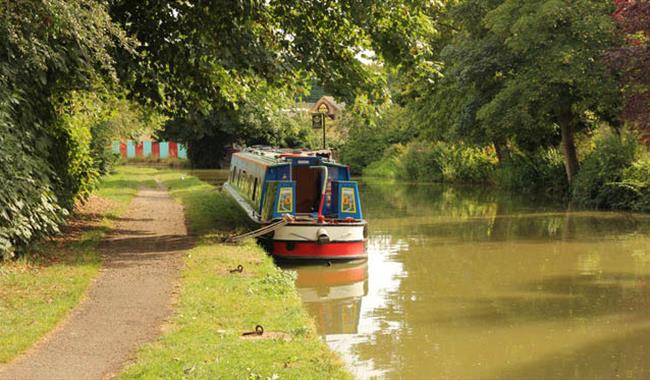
261	231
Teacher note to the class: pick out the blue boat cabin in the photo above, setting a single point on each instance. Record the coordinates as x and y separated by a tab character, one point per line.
301	184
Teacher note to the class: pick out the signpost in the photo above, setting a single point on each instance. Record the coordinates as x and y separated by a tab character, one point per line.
318	121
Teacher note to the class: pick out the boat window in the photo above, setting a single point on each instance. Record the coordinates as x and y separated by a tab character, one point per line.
242	178
233	173
255	188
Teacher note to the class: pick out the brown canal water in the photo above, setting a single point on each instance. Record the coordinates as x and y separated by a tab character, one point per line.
477	284
473	284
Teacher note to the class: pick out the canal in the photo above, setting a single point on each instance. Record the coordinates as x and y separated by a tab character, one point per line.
469	283
473	284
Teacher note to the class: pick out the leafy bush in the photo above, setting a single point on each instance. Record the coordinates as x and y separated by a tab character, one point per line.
600	181
388	166
28	206
423	161
541	171
637	179
471	164
103	156
444	162
632	192
370	133
49	49
77	175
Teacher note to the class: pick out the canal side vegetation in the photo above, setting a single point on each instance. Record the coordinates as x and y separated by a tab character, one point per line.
532	96
614	174
43	285
515	93
528	96
214	306
76	74
506	92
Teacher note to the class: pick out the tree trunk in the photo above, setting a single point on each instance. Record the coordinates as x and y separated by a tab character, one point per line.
501	149
569	148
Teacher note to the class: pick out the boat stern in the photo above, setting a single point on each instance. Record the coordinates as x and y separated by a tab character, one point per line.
320	241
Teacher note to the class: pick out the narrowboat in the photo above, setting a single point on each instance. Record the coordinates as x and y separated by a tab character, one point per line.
305	203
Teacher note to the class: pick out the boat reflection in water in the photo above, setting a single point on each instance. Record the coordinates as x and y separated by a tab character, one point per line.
332	294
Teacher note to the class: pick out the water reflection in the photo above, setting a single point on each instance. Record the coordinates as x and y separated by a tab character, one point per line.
332	294
469	283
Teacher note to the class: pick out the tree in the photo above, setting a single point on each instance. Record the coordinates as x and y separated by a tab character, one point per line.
476	60
632	60
199	59
47	50
560	77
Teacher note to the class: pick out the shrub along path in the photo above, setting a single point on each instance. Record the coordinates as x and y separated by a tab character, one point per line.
127	304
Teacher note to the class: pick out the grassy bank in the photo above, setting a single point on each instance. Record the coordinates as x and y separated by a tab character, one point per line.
215	306
40	288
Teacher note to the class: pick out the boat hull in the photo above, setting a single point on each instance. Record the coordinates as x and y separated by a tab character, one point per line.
319	241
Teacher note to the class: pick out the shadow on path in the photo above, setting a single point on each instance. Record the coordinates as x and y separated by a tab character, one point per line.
126	305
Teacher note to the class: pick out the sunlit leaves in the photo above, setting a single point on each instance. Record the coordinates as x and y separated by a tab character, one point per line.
47	49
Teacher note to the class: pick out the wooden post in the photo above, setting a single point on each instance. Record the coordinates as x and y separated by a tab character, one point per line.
322	117
318	121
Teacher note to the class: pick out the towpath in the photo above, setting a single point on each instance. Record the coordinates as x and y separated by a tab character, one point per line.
125	306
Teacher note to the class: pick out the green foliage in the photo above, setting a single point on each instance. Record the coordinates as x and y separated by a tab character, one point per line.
636	178
28	206
48	49
436	162
261	123
558	48
277	43
102	137
541	171
369	131
443	162
88	121
423	162
516	73
388	166
609	177
218	70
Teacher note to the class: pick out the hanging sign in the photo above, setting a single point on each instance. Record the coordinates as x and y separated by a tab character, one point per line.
317	120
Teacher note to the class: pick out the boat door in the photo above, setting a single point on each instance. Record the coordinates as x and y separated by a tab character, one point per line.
308	188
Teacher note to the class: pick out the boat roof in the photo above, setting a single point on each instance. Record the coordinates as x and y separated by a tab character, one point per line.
281	156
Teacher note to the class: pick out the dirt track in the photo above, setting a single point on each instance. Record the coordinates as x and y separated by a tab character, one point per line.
125	306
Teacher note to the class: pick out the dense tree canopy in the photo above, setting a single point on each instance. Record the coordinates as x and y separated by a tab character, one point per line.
47	50
559	76
527	74
499	78
632	59
220	66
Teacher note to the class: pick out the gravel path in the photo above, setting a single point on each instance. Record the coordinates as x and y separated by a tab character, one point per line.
125	306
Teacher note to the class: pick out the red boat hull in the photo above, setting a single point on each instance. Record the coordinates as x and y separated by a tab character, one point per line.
344	250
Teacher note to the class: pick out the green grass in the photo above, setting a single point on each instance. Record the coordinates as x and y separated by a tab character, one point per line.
207	210
40	288
215	307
